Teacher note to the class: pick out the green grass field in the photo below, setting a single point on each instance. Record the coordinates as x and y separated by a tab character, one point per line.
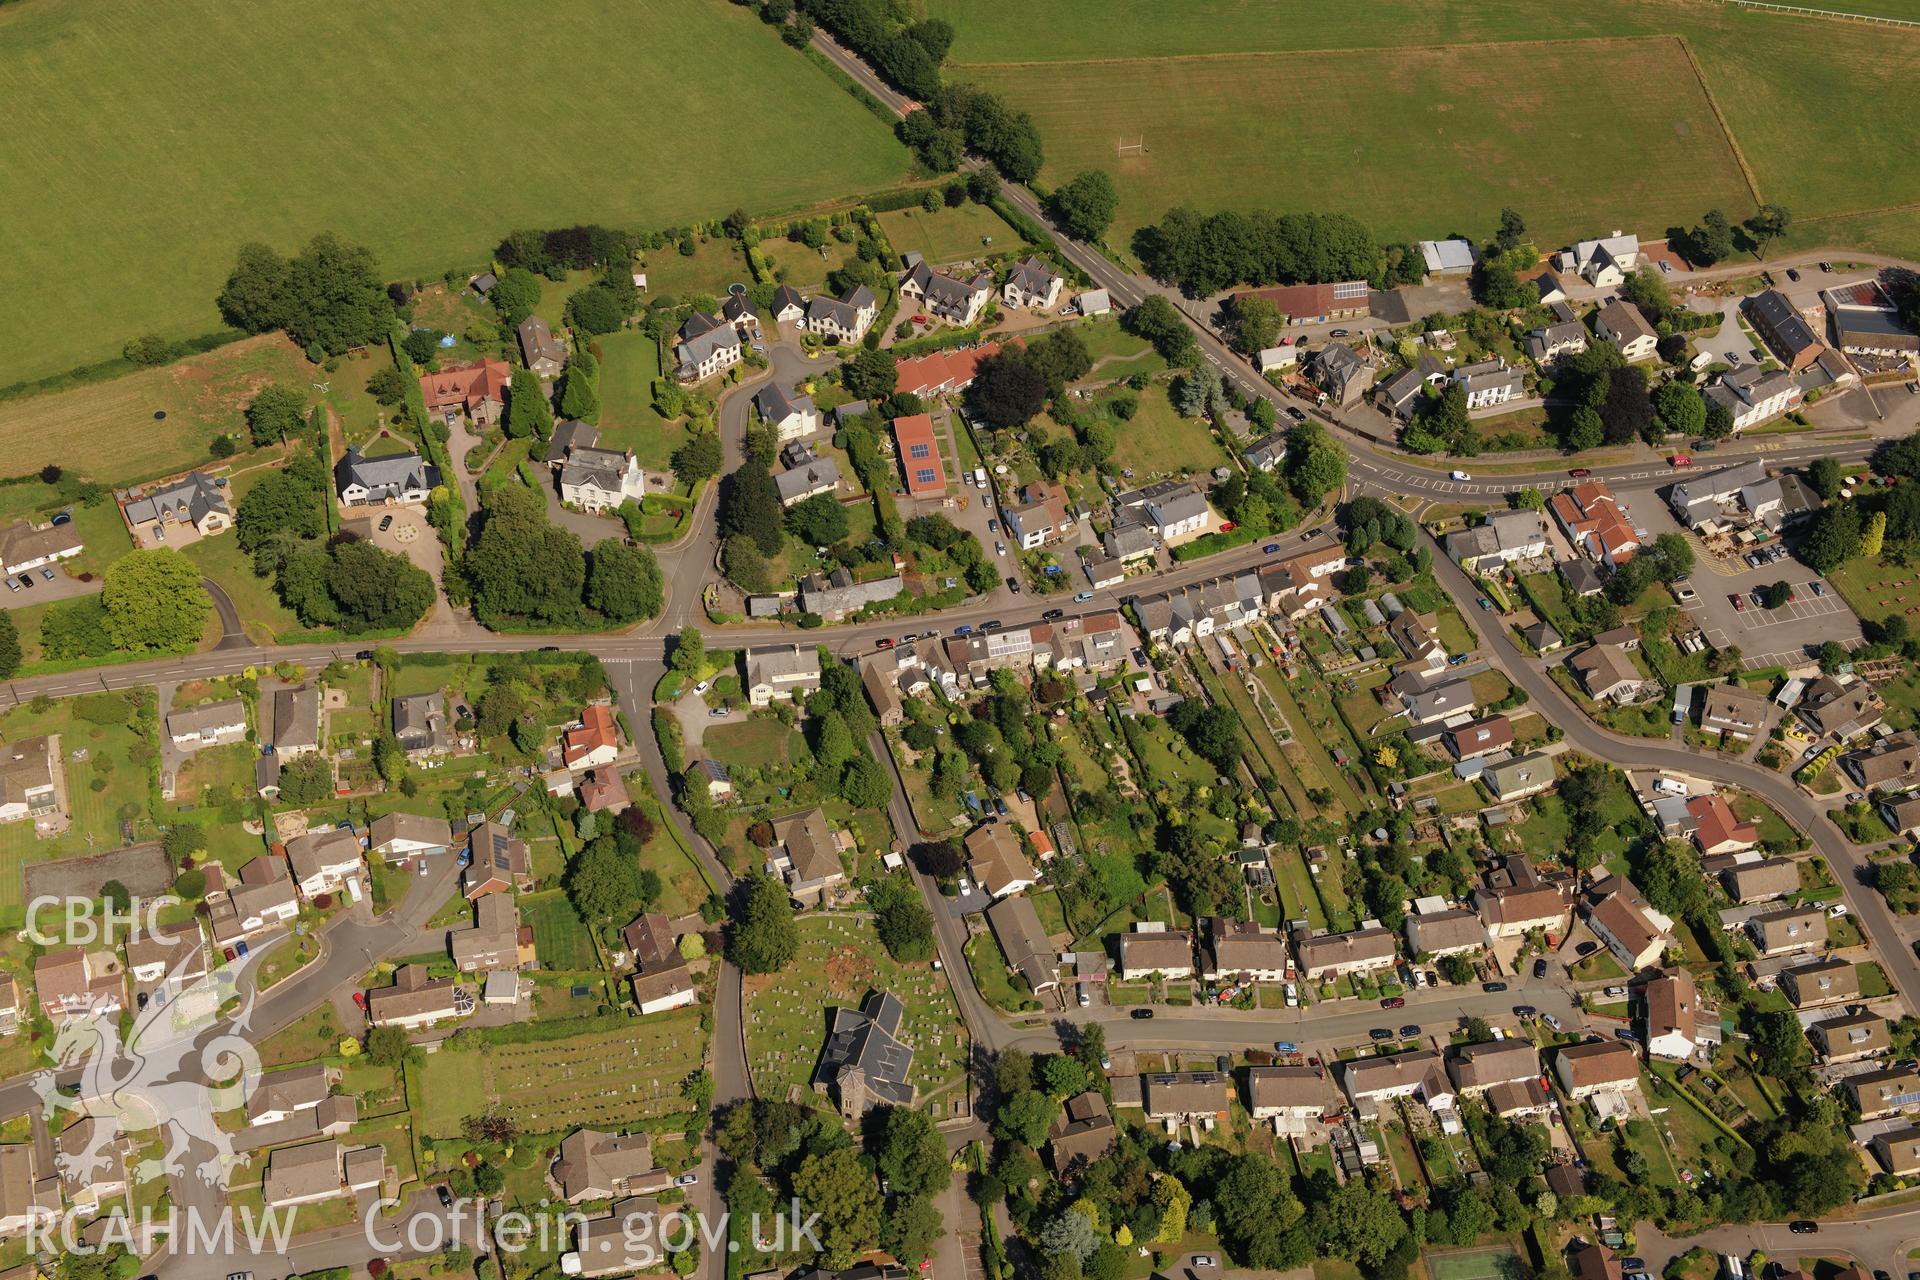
1475	1264
950	235
1159	442
108	431
149	142
603	1079
1480	127
1801	96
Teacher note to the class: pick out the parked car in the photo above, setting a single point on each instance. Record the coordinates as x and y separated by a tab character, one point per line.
386	523
687	1180
446	1202
1683	591
1410	1030
1393	1002
360	999
1295	414
1540	968
1818	588
1525	1012
1285	1046
1337	333
993	526
1083	597
1680	460
1586	949
1493	986
1380	1033
1738	602
46	575
703	686
1802	1227
1579	473
1460	475
1140	1014
991	624
1013	584
999	547
884	642
1270	548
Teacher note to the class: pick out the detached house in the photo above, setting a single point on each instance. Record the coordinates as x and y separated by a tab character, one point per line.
1752	394
790	671
1673	1011
1594	521
1521	776
592	1165
594	741
1844	710
1032	285
211	724
1041	516
791	416
414	1000
1851	1037
492	941
1715	828
661	980
958	302
809	858
1821	982
1734	711
163	515
545	354
1342	374
499	864
1602	263
596	480
265	897
1489	383
1622	324
401	478
1477	1068
997	864
73	983
1761	881
30	782
477	390
1781	326
1621	918
1879	1094
420	724
845	319
398	836
324	861
1893	763
1514	900
708	346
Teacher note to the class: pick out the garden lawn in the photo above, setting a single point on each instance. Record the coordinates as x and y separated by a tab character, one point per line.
1159	442
559	935
129	149
759	743
1471	128
840	961
950	235
231	569
629	364
715	263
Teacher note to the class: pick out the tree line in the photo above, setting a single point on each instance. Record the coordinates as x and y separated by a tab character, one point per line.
1204	253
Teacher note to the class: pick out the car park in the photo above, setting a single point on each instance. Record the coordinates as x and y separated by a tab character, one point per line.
1738	602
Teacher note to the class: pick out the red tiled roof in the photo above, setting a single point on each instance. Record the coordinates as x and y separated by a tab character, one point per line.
1715	825
941	371
919	453
467	385
596	730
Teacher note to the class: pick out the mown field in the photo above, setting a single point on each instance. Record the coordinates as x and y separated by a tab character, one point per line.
1415	142
1805	100
145	143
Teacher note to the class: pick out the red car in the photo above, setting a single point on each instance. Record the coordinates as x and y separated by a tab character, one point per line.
1680	460
1579	472
884	642
1738	602
360	998
1228	527
1393	1002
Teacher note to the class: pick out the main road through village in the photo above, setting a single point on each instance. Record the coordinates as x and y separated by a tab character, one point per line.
635	660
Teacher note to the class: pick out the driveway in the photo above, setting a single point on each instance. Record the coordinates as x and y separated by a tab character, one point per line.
62	586
408	534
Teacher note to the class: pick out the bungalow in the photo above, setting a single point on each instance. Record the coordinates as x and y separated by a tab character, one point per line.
1622	324
1336	955
958	302
1421	1075
1789	929
790	671
919	454
1032	285
175	511
1821	982
75	983
399	836
479	391
1715	828
211	724
401	478
1734	711
24	548
592	1165
809	857
545	354
1672	1019
1844	710
414	1000
1153	948
265	897
28	1194
1599	1066
492	941
324	860
1902	815
499	863
1892	764
1024	941
939	373
1606	674
1425	704
809	479
996	862
1082	1135
791	416
304	1174
845	319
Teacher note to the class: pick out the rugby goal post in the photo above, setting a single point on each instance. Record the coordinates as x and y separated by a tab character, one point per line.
1137	147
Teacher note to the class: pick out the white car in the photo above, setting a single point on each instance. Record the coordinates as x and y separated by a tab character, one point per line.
965	888
1460	475
703	686
687	1180
1837	910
